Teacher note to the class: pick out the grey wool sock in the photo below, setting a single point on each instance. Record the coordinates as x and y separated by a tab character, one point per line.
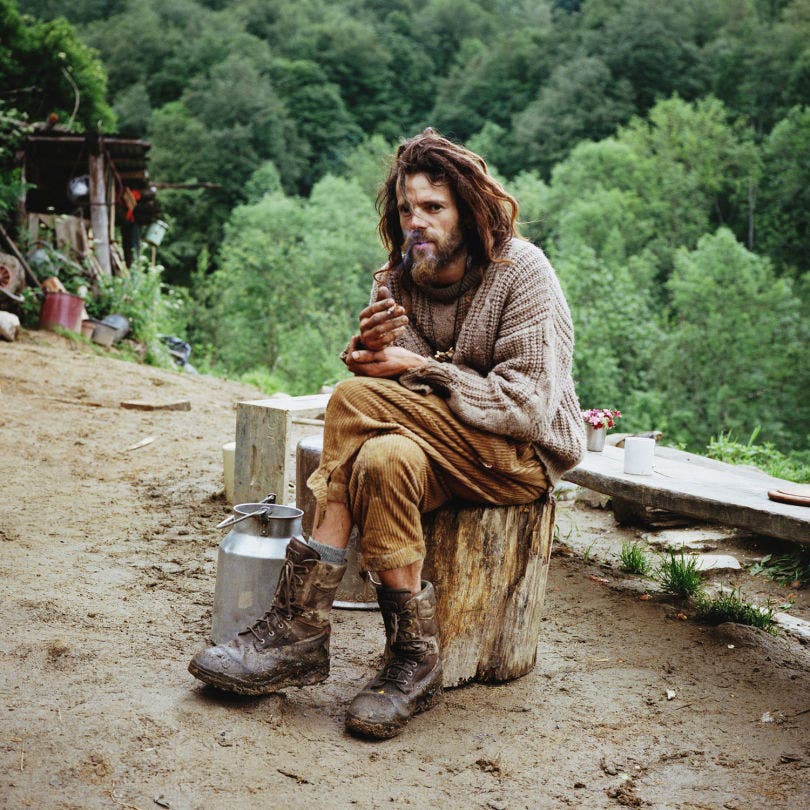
329	554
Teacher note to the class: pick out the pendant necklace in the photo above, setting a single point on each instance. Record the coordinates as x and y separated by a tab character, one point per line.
444	295
447	355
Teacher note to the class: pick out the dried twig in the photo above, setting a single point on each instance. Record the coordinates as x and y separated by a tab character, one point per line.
298	778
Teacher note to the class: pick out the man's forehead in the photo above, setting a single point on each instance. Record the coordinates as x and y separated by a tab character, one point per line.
420	186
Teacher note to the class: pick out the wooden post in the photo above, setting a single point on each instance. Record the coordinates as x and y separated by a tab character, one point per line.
98	206
489	566
267	434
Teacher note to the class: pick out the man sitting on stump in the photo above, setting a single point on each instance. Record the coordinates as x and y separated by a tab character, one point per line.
463	389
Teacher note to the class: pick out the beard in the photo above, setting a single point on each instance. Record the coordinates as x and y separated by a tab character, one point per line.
426	264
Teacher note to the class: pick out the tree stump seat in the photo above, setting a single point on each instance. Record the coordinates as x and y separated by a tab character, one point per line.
489	565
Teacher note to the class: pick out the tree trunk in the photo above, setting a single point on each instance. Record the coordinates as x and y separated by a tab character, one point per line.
489	566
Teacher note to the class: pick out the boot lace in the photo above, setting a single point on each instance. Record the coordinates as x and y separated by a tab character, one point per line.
407	654
285	607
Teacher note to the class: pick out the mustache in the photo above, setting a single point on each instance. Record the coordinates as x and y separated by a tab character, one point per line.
411	238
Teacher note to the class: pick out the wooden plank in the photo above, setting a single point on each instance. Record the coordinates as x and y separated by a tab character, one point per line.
698	487
98	212
147	405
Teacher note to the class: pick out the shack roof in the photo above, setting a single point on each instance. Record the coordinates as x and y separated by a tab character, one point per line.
53	157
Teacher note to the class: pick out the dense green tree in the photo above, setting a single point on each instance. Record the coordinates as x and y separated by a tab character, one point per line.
700	165
133	109
325	131
294	274
45	69
353	58
733	352
681	171
580	101
492	81
367	164
651	45
759	63
532	195
77	11
617	327
784	198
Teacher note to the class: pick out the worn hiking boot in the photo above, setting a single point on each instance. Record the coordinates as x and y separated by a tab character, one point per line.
289	645
411	679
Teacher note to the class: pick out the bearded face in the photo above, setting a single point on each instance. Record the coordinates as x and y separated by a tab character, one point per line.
429	218
431	252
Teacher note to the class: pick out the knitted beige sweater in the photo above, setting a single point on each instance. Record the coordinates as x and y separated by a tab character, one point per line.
511	371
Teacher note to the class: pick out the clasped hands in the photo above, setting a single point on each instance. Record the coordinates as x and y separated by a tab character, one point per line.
370	354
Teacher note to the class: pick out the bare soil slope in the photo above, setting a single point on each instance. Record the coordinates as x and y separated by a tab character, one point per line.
107	577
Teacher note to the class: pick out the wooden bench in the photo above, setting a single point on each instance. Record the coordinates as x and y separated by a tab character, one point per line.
698	487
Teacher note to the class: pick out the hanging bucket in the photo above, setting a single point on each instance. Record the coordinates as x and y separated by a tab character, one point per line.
155	232
61	309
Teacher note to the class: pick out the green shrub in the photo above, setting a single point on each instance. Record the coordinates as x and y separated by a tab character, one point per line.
142	298
679	575
785	568
794	466
729	606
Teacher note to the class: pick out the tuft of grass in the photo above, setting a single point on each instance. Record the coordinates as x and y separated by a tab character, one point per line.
730	606
679	575
786	569
634	559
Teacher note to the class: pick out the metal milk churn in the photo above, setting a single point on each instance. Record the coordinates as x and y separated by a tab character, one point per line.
250	559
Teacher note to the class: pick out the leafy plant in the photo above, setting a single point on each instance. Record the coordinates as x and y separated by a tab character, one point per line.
785	568
679	575
730	606
140	297
634	559
792	467
47	261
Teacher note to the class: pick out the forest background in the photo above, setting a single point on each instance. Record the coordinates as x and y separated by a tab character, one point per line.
660	151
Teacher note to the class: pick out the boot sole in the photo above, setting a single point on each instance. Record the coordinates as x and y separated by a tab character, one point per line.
385	731
229	684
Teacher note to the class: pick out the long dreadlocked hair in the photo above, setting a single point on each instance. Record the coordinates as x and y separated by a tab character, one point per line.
487	213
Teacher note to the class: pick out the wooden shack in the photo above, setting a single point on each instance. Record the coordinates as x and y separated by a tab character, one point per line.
100	180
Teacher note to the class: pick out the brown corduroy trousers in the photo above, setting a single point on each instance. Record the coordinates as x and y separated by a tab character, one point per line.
390	454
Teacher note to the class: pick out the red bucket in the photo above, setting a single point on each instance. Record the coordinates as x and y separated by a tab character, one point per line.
61	309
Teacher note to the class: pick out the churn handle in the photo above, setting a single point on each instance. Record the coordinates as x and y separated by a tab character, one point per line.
229	521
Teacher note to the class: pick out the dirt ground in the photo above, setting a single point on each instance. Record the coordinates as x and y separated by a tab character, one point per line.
107	577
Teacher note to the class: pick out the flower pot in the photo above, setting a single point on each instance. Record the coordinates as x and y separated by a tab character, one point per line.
61	309
595	438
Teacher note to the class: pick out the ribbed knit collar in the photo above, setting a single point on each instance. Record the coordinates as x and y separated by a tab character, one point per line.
451	292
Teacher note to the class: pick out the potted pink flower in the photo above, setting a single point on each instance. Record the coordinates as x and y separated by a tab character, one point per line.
598	421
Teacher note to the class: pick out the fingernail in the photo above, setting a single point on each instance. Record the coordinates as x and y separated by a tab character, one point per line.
355	355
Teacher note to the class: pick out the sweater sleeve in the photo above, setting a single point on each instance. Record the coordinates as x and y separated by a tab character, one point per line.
531	359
